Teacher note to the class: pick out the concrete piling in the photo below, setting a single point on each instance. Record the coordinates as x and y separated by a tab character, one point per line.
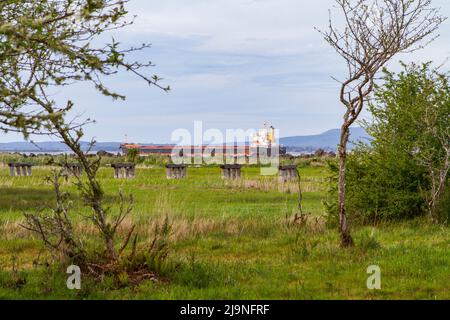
287	173
176	171
20	169
124	170
231	171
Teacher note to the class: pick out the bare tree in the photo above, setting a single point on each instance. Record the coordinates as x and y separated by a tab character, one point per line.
374	32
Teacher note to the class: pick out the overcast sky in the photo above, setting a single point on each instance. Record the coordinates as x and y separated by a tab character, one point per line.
231	64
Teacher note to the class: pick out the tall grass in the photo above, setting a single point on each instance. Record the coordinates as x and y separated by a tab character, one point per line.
228	240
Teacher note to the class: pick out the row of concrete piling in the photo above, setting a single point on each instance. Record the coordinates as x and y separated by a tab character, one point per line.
19	169
173	171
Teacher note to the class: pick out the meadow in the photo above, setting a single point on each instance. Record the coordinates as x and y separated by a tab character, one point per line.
231	240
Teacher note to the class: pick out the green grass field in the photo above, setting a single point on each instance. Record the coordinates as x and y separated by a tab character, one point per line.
233	241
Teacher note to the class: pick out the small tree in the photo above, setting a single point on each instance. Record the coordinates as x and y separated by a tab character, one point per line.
374	32
54	43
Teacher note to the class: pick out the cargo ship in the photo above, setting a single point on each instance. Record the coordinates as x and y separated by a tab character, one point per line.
263	139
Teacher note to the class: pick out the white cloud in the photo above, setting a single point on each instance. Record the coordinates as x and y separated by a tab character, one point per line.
231	63
265	26
243	26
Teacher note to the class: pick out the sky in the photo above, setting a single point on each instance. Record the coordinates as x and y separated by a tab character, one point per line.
231	64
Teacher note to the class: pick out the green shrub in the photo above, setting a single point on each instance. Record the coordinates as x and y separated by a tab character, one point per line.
392	177
368	242
378	187
443	208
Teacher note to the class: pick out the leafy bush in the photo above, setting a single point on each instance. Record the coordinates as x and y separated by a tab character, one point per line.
368	242
379	187
393	177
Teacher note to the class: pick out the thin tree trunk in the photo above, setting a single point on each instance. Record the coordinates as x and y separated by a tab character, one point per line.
346	239
110	248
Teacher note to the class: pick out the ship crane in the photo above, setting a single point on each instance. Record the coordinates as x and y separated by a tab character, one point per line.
264	137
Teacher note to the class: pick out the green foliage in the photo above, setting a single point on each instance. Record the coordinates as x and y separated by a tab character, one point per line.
391	178
443	207
379	186
153	257
133	155
302	247
368	242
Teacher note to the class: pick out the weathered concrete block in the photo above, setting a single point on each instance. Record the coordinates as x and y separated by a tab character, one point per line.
19	169
124	170
231	171
287	173
176	171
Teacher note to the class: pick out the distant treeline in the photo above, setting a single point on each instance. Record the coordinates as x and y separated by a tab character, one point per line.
317	158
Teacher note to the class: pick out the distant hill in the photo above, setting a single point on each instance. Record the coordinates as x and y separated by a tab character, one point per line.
327	140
